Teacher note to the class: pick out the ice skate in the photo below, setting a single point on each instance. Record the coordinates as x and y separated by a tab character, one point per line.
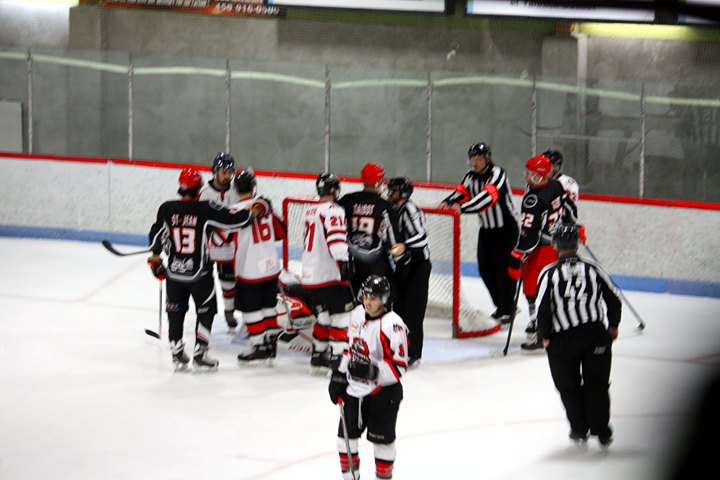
230	319
319	359
531	327
534	344
202	361
605	444
179	357
579	439
258	356
272	345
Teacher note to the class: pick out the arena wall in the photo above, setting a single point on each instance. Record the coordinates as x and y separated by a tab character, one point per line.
645	247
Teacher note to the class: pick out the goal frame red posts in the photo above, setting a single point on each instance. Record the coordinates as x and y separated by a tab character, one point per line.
457	332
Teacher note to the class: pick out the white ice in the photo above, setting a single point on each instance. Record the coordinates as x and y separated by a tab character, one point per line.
85	394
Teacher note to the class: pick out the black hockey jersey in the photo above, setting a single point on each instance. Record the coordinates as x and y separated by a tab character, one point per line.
371	223
542	207
183	228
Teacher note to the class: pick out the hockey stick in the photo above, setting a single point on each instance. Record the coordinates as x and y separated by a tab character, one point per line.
641	325
159	332
518	284
110	248
114	251
351	462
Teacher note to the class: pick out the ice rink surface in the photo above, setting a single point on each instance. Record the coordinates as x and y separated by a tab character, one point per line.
86	395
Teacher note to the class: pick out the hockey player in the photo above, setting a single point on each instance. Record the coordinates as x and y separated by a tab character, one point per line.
545	202
568	183
220	191
574	296
183	228
413	268
372	224
485	190
326	269
368	380
257	267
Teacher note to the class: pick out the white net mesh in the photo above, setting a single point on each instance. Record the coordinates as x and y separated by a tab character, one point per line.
446	298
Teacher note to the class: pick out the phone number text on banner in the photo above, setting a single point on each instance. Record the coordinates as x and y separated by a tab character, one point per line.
254	8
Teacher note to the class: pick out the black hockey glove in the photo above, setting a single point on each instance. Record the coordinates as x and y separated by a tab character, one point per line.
347	270
360	365
338	387
158	269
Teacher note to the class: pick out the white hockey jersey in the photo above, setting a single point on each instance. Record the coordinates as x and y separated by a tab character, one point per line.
226	199
570	186
222	247
385	340
325	243
256	256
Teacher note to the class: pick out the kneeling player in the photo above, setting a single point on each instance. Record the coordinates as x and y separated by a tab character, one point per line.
368	380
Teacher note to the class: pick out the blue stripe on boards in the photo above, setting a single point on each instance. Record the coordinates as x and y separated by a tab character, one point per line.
467	269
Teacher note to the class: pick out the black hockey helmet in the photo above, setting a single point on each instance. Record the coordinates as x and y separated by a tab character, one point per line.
223	161
482	149
554	155
376	285
327	183
566	237
244	181
402	185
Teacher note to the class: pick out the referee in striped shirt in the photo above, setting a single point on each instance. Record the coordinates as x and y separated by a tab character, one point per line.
412	270
485	190
576	297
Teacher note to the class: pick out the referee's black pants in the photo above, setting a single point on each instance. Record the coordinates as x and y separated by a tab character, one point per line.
580	360
493	254
413	279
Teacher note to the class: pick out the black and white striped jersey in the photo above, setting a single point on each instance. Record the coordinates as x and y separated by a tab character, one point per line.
573	292
412	229
488	194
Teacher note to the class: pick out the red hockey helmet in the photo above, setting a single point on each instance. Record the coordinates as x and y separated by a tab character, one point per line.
189	179
540	165
372	173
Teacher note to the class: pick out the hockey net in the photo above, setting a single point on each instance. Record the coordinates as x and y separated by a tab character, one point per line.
445	295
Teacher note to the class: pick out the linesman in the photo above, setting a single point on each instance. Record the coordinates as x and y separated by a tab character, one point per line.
485	190
574	295
412	269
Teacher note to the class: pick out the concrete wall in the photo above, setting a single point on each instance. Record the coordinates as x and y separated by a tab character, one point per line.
34	24
111	198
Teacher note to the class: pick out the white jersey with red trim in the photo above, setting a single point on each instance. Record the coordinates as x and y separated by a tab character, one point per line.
570	186
256	256
325	244
225	198
221	243
385	341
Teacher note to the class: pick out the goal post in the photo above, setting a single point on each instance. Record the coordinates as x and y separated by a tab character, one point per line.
446	299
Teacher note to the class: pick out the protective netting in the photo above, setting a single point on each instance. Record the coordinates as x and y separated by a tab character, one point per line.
635	112
446	298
